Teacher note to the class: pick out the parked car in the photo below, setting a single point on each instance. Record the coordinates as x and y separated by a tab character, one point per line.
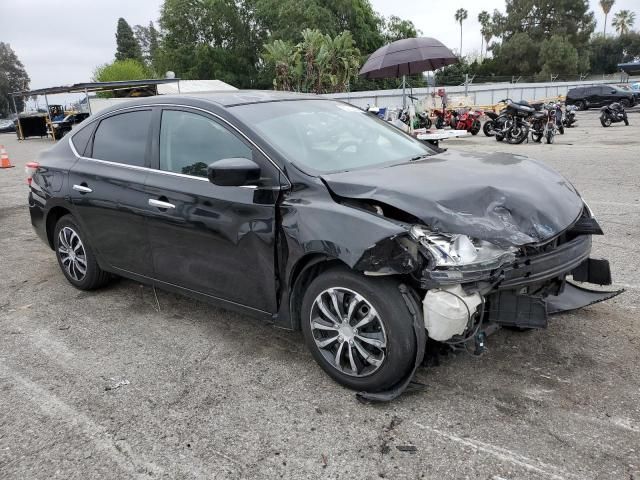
598	96
64	126
634	88
7	125
315	215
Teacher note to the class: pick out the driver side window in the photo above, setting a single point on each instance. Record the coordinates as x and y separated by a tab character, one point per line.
189	142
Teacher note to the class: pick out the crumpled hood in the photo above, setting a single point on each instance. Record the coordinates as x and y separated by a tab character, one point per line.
502	198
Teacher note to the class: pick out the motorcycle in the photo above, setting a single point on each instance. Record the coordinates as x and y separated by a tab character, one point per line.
613	113
469	121
420	120
569	116
515	128
546	122
445	117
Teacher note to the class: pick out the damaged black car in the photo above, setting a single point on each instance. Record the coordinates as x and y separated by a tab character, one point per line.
310	214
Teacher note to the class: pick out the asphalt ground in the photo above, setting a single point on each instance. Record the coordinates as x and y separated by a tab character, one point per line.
114	384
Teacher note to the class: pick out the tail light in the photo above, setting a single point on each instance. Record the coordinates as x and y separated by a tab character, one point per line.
31	168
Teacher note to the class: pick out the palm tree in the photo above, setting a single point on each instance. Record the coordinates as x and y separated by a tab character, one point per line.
484	18
460	16
623	21
606	8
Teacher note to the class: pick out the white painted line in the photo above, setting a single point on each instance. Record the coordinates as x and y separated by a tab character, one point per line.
550	471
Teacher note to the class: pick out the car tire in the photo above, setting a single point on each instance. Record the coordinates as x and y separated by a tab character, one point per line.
75	257
377	367
582	105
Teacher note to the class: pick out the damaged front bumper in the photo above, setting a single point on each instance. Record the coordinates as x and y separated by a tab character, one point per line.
521	294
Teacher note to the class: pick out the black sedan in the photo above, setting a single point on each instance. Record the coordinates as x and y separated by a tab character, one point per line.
309	213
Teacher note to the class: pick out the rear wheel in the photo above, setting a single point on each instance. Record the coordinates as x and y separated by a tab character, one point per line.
475	128
625	119
605	120
358	329
439	123
518	133
581	105
75	257
487	128
625	103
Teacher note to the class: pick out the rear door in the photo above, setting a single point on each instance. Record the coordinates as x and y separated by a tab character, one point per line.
219	241
107	190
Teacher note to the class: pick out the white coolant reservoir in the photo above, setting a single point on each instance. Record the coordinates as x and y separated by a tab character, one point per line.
446	311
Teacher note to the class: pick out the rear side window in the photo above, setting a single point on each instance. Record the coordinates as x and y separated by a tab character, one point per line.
81	139
122	138
189	142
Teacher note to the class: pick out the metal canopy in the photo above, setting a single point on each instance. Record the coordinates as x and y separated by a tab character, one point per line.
95	87
630	68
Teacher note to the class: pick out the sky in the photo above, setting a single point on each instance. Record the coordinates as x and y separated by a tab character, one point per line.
62	41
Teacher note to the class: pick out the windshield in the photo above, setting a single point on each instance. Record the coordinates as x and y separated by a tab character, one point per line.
322	136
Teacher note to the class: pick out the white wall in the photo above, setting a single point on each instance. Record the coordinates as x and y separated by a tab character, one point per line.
480	94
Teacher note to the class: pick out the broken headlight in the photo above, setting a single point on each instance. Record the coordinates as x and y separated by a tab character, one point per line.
459	258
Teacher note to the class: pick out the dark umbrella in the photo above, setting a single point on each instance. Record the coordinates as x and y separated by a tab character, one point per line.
407	57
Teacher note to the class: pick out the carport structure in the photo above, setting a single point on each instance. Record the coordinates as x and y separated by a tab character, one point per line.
144	88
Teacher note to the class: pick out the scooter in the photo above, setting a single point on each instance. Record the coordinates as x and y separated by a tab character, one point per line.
613	113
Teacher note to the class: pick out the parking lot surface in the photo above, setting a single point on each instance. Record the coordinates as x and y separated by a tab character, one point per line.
117	384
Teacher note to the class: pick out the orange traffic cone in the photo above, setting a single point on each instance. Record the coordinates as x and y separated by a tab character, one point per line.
4	158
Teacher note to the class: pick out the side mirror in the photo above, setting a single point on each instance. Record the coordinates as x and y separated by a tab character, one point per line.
233	172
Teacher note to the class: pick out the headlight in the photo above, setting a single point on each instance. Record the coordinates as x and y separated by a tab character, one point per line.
459	252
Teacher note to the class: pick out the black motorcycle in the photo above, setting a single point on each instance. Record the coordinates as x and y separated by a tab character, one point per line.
495	123
569	116
514	128
613	113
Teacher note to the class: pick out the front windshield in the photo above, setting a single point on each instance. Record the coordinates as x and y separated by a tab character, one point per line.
323	136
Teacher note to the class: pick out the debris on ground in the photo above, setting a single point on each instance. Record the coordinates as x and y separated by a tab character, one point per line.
116	385
407	448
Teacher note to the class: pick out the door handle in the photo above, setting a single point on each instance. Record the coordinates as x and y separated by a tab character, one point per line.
160	204
82	189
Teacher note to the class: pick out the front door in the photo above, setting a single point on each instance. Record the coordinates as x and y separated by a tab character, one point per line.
215	240
107	191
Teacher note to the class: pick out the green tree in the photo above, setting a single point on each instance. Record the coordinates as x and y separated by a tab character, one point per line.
557	56
528	23
460	16
485	20
286	19
120	70
623	21
149	42
318	64
606	8
13	78
396	28
126	44
206	39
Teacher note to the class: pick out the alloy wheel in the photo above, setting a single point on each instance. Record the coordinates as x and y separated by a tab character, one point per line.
72	253
348	331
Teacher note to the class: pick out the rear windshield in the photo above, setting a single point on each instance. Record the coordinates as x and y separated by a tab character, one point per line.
322	136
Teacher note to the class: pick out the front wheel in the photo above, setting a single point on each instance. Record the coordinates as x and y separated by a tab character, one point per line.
75	256
518	134
439	123
487	128
549	136
605	120
475	128
358	329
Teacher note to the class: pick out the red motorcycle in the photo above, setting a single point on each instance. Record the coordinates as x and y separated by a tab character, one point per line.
469	121
448	118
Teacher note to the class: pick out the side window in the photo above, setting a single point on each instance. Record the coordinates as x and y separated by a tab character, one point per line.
189	142
122	138
81	139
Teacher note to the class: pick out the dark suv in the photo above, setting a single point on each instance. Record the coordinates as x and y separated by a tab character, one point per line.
598	96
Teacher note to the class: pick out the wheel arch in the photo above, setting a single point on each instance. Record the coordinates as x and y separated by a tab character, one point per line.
55	214
302	274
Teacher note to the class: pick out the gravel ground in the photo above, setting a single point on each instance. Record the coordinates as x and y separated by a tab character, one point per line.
104	385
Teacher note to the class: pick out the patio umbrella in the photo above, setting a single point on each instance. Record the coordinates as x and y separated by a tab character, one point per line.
407	57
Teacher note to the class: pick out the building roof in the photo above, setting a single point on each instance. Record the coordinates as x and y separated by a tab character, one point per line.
96	87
